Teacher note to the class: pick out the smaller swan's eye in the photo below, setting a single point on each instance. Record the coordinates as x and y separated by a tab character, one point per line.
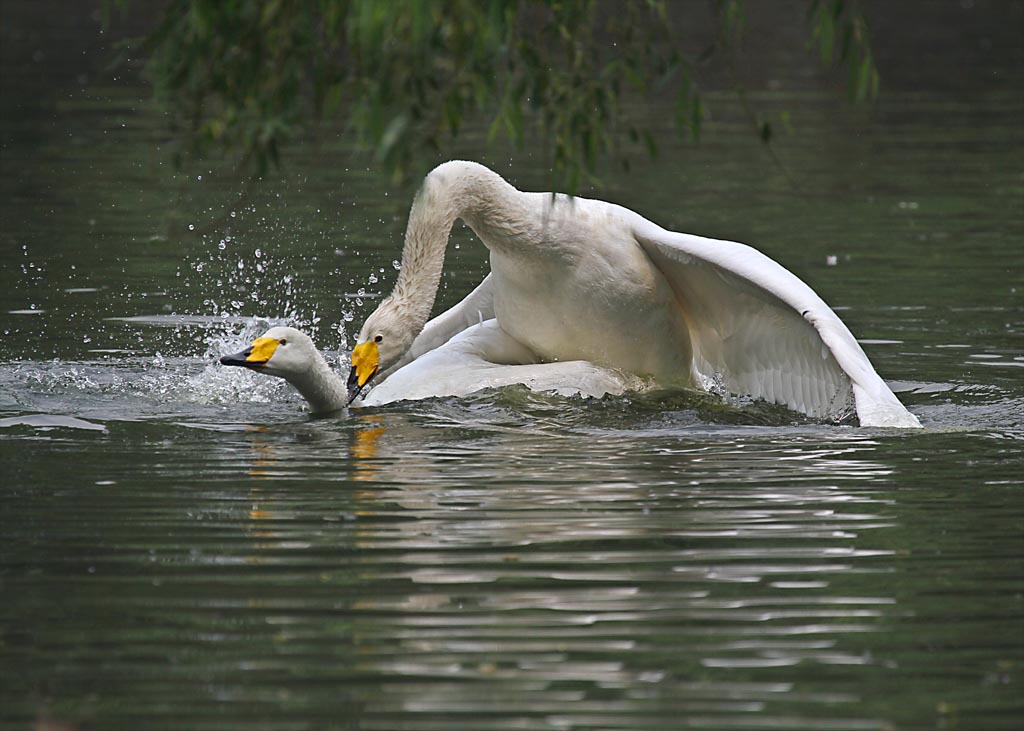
378	339
283	341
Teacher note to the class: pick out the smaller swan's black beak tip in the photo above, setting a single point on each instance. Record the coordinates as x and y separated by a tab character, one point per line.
240	359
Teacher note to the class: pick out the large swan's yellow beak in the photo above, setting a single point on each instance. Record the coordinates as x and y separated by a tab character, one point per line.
365	359
255	356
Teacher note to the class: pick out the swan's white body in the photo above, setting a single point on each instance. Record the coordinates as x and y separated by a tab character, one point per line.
586	296
483	356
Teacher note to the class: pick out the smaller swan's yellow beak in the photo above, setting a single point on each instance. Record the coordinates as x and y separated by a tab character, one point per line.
365	359
255	356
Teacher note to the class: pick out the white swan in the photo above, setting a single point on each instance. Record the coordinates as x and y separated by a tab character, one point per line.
290	354
579	284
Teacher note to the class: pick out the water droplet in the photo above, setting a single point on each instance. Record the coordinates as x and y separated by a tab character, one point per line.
191	227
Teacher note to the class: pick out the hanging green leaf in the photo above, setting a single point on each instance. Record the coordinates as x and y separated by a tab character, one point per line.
249	76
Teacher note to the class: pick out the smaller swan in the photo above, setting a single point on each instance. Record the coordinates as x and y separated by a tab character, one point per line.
290	354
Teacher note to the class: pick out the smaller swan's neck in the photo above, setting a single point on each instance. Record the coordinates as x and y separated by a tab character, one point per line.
323	389
453	190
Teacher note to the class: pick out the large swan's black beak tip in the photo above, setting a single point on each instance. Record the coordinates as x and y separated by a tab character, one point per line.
353	384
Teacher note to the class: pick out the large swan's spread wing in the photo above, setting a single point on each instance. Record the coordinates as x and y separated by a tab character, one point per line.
759	330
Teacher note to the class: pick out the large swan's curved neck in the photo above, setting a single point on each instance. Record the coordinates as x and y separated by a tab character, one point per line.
453	190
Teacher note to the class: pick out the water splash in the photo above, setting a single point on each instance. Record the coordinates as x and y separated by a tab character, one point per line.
130	386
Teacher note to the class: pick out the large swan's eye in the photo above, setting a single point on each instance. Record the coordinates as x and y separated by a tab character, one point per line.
378	339
283	341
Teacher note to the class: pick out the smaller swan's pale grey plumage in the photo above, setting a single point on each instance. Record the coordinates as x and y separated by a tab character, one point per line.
290	354
586	296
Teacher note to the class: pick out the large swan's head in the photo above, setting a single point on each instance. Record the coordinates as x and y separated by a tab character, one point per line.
386	336
281	351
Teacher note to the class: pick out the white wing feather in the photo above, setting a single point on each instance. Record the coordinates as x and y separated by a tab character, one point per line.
760	330
475	307
483	356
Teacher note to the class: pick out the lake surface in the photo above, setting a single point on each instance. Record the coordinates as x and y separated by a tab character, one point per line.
184	548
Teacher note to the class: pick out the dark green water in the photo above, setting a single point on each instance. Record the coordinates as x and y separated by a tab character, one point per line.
184	549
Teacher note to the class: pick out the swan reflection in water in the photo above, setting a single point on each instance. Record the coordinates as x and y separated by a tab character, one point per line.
437	471
586	297
501	556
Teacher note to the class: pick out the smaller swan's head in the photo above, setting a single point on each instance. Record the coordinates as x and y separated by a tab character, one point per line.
384	339
281	351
